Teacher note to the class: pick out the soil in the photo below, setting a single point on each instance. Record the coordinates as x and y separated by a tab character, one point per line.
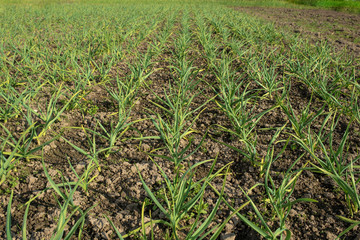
341	29
117	191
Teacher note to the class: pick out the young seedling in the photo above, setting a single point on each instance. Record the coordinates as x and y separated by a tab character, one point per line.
11	108
93	153
51	114
300	122
64	217
125	95
22	147
334	162
265	76
239	104
181	197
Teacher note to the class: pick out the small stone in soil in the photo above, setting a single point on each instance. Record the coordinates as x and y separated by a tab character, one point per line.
228	236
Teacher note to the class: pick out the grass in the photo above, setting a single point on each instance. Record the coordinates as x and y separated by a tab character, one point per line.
339	5
103	77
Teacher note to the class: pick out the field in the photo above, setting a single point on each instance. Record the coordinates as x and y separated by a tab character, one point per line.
178	120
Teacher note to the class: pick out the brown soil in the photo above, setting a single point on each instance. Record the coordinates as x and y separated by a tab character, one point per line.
341	29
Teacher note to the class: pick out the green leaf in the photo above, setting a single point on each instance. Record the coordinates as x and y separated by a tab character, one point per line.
8	217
